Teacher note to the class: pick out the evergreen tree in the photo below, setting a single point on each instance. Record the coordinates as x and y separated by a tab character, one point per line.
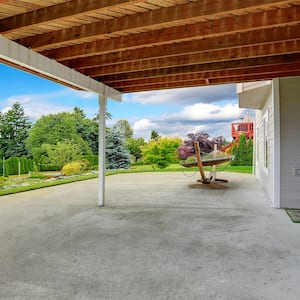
242	152
117	156
14	130
87	128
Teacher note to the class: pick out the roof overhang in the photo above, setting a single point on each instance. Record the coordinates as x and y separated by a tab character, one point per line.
26	59
146	45
254	95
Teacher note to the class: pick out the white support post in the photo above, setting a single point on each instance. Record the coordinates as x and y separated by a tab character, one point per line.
101	151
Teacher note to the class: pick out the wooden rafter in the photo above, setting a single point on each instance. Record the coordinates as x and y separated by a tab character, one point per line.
260	20
138	45
56	12
267	69
218	66
191	11
236	40
261	50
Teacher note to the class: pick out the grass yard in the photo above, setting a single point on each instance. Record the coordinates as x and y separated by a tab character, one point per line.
27	184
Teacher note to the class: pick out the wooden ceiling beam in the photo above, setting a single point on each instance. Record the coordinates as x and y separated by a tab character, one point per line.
201	82
295	66
261	50
196	46
57	11
188	11
276	17
217	66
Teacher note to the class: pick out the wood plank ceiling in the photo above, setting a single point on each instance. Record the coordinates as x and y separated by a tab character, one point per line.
140	45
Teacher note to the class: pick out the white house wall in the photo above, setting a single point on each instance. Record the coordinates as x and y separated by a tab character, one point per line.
289	90
266	177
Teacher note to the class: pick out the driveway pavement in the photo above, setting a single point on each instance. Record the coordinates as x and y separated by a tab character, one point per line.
154	239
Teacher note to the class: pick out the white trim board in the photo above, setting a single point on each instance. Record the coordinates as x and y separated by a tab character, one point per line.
31	61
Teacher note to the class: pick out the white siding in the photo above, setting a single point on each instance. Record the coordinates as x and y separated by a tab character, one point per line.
289	89
266	178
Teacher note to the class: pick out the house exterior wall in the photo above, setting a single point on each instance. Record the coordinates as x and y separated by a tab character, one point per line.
265	171
289	91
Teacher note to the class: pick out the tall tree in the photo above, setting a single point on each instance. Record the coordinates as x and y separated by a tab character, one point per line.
124	128
205	142
87	128
117	156
134	145
54	128
61	153
154	135
14	130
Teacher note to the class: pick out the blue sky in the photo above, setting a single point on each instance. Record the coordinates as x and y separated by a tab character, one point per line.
170	112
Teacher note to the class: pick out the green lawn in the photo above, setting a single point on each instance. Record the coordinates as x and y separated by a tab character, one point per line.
134	169
178	168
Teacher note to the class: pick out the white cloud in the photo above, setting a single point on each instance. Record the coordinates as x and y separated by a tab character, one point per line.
35	106
208	112
143	127
211	118
85	95
185	96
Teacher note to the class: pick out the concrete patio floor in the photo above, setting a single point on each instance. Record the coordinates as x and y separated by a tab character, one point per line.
154	239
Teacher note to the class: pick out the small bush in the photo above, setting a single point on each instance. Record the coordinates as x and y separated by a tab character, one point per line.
2	181
73	168
36	174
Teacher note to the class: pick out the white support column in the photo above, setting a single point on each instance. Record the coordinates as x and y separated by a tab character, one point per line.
101	151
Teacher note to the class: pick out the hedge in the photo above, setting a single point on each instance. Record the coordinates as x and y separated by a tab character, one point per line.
12	166
93	159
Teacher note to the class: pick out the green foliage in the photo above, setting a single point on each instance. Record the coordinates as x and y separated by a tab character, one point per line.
160	153
123	127
154	135
134	146
12	165
36	174
14	130
50	130
117	156
92	159
87	129
2	181
47	167
61	153
242	152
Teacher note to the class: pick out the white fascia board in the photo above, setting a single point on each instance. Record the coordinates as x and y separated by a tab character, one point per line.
32	61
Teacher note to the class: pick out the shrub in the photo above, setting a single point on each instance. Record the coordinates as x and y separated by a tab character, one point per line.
36	174
73	168
2	181
92	159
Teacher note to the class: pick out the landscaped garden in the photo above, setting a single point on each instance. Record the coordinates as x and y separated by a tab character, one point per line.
63	148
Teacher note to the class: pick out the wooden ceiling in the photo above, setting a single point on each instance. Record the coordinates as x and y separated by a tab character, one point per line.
140	45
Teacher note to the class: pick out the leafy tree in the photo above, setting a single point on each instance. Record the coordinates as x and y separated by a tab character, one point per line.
61	153
54	128
87	128
205	142
124	128
14	130
117	156
134	146
154	135
161	152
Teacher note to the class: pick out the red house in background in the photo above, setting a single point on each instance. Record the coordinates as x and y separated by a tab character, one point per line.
243	127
